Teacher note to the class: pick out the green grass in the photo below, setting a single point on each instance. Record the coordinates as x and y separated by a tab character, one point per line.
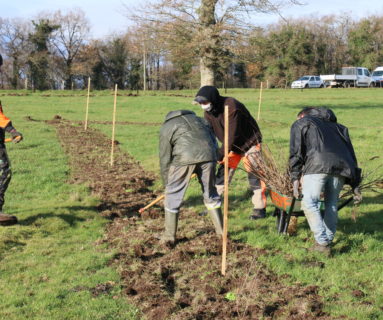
52	251
49	262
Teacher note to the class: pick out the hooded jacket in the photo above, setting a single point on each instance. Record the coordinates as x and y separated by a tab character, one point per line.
318	144
185	139
243	129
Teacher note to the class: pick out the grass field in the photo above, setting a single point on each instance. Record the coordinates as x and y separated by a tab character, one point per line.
51	254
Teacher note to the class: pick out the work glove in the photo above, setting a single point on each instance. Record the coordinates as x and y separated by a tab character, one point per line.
357	195
234	159
296	192
16	136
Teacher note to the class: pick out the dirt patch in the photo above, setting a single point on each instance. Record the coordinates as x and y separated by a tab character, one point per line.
47	95
358	293
122	187
184	282
14	94
57	117
124	122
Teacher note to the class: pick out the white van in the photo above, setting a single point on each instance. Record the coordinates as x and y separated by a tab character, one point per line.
377	75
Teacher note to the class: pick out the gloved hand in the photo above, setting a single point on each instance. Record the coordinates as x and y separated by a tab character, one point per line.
357	196
16	136
296	192
234	159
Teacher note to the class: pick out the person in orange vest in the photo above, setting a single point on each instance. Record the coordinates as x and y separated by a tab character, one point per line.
244	142
5	169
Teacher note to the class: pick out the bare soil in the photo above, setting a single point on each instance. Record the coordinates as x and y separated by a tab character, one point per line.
184	282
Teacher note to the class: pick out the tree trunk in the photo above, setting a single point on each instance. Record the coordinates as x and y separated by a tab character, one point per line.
15	73
208	48
207	74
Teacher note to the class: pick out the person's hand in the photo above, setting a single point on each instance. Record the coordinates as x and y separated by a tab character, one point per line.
296	192
233	159
357	195
16	136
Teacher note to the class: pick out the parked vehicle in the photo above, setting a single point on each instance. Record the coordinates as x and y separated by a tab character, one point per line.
350	77
377	75
307	82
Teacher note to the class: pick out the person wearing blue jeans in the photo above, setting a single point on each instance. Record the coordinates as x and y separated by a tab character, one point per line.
322	160
313	184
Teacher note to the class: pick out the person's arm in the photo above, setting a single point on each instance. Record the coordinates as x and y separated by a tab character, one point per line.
233	125
357	176
296	159
16	135
6	124
165	153
349	144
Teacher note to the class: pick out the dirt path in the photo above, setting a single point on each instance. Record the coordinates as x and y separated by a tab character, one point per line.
183	283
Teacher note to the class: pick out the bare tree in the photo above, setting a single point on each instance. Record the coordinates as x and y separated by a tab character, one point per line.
213	25
68	39
14	42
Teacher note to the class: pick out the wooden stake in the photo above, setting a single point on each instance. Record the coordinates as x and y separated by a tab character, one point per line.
260	101
226	192
113	124
87	106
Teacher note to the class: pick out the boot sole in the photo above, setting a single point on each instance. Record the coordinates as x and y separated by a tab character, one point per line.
8	222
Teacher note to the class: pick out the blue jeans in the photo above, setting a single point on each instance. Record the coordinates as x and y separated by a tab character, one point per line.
322	225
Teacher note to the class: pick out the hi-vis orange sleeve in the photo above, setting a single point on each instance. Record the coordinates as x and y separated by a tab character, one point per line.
3	119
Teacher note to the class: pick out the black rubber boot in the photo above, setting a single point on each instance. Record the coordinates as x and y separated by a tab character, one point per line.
216	217
7	220
171	223
258	214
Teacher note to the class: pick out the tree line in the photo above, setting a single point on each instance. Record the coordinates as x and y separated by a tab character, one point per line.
168	49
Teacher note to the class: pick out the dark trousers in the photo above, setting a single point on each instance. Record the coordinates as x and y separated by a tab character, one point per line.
5	175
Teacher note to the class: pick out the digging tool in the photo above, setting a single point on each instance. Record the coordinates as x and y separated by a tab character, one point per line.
158	199
161	197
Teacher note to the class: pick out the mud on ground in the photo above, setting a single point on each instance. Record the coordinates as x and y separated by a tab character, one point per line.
184	282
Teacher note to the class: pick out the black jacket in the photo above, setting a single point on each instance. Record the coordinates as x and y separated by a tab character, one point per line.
318	144
243	129
185	139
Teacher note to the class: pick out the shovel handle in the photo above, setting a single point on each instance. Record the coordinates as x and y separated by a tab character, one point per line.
152	203
158	199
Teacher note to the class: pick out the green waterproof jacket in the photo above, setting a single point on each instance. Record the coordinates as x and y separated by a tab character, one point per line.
185	139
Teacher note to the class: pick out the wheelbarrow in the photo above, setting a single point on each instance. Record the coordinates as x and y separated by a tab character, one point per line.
286	207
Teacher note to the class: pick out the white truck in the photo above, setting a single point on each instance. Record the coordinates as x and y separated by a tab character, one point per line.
350	77
377	75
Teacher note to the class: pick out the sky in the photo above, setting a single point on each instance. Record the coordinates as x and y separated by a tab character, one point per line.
108	16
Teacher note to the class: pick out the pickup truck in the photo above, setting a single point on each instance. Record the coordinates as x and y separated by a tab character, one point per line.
350	77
